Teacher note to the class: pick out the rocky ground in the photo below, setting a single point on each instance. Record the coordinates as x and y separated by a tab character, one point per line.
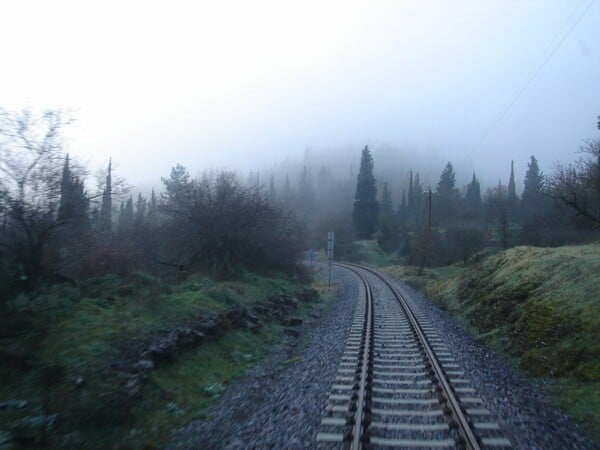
278	404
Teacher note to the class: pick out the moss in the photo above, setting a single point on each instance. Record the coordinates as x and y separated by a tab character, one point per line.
589	371
367	252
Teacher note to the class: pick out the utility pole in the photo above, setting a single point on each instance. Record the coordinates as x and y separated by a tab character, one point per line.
427	238
430	211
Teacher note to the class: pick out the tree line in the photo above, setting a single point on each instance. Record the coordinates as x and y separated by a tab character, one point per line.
52	228
442	224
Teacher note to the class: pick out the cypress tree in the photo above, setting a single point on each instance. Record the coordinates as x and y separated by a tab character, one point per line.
386	199
64	209
287	190
152	210
366	208
511	195
417	195
389	223
471	203
105	216
121	219
126	217
140	212
305	192
402	209
73	207
411	206
272	194
473	195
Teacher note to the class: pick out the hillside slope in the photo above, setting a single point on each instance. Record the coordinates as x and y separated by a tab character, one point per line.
538	306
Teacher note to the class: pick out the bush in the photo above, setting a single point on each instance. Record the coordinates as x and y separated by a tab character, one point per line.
461	243
222	227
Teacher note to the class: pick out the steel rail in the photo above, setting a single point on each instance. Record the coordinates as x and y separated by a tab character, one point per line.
464	427
358	430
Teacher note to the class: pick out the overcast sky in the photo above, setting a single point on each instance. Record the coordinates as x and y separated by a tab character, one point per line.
223	84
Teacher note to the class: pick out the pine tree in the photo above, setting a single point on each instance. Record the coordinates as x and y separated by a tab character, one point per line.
446	187
532	205
366	208
447	195
533	184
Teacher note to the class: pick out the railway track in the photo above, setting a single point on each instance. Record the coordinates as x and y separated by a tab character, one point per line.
398	385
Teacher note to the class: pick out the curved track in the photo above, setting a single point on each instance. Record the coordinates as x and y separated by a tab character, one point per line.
398	385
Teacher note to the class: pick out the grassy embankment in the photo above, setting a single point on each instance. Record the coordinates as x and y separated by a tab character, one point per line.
363	252
540	307
67	332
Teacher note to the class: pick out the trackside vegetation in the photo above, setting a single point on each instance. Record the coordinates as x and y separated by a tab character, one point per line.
65	350
538	307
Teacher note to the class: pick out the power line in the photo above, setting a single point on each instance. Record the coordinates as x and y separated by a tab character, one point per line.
535	70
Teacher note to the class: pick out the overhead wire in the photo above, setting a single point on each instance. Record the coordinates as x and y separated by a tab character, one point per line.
535	70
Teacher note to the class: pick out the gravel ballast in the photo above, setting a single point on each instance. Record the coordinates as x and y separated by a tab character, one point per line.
277	405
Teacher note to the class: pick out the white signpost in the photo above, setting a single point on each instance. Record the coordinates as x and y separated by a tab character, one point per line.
330	241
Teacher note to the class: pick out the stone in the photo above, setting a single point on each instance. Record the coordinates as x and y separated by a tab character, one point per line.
133	387
294	321
33	428
143	364
74	439
291	332
14	404
5	438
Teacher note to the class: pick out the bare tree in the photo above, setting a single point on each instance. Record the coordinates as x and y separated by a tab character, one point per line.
31	159
578	185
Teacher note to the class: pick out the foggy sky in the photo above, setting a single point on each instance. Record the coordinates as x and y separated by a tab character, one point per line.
242	85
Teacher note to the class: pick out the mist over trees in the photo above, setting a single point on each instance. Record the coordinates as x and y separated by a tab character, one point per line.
55	227
466	215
